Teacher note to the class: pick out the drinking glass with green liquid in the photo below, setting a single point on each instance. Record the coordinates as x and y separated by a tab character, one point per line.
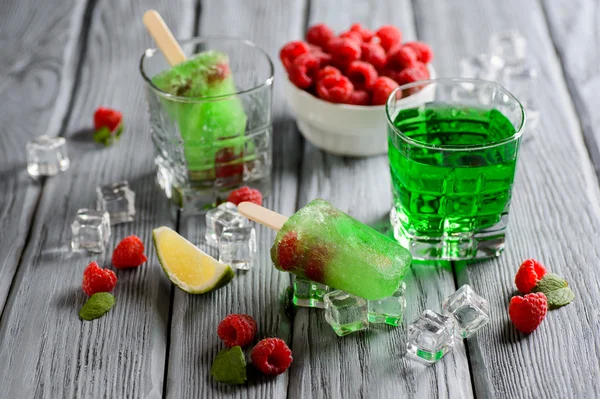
453	152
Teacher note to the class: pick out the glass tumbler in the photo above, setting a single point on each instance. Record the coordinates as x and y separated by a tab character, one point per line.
452	146
211	125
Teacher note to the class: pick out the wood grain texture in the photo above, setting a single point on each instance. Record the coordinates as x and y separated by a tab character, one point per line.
555	217
47	351
38	60
194	343
370	364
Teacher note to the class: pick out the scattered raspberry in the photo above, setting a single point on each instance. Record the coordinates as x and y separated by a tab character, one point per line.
389	36
412	74
302	70
96	279
356	36
288	256
343	51
527	312
271	356
335	89
319	35
374	54
362	75
359	97
129	253
291	51
107	117
228	164
315	264
364	32
528	275
237	330
328	70
245	194
401	57
423	51
381	90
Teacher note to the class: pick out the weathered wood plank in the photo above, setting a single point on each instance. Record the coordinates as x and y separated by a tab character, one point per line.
38	60
194	343
371	364
554	217
46	349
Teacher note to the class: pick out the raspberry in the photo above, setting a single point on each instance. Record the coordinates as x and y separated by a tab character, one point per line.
389	36
326	71
362	74
302	70
401	57
364	32
527	312
291	51
343	51
218	73
288	256
381	90
129	253
237	330
323	58
412	74
107	117
355	36
271	356
315	264
528	275
359	97
374	54
319	35
335	89
96	279
245	194
228	163
423	51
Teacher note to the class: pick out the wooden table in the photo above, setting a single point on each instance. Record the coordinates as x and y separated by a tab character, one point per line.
60	59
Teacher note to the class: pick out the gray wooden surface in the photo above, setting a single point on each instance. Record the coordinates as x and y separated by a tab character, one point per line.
59	60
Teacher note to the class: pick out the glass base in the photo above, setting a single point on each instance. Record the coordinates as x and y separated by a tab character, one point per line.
481	244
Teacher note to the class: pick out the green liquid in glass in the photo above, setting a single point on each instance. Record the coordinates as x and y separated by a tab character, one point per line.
457	189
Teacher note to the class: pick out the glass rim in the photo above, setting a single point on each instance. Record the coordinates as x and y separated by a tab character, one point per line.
199	39
518	132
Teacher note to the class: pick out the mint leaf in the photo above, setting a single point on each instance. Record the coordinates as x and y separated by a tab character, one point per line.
97	305
230	366
560	297
550	282
102	135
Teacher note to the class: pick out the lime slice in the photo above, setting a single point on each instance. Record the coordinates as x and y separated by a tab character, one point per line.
188	267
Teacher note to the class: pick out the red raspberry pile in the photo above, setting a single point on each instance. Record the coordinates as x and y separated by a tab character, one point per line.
358	66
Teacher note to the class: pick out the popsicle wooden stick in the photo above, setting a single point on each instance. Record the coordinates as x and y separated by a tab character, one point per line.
163	37
264	216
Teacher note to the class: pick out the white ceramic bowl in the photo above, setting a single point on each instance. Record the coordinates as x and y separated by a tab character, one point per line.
355	130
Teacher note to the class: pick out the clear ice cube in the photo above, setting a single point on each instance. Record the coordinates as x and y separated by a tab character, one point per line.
509	46
90	230
346	313
469	311
481	66
224	215
47	156
430	337
308	293
237	247
389	310
521	80
118	200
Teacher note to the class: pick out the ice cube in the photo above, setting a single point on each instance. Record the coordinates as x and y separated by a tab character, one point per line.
309	293
90	230
237	247
509	46
521	80
481	66
346	313
430	337
469	310
47	156
118	200
225	215
389	310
